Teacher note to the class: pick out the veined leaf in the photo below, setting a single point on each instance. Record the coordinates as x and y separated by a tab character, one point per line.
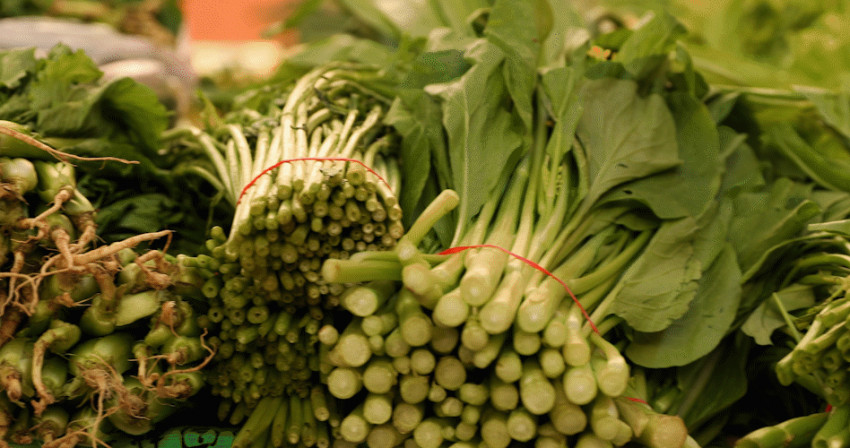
660	285
649	44
688	189
625	137
15	65
702	327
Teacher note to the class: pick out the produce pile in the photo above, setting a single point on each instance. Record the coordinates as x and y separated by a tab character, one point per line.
493	226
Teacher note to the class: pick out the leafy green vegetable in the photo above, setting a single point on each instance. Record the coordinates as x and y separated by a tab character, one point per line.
766	319
707	320
487	141
660	285
763	220
626	137
687	189
649	44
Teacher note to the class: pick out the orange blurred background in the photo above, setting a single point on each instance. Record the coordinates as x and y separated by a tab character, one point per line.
236	20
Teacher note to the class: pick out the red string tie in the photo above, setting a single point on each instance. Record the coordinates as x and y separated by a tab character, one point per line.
454	250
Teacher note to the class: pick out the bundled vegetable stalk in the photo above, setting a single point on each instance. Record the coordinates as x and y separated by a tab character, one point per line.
481	346
310	180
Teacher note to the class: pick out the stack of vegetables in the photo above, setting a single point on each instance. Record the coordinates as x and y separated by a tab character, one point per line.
312	178
94	337
594	248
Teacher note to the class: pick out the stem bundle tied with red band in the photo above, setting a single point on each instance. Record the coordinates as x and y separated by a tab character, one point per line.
454	250
312	181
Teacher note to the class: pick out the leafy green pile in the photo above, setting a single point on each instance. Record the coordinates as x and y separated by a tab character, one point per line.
62	101
754	167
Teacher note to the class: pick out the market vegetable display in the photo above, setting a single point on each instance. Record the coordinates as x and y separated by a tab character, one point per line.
497	227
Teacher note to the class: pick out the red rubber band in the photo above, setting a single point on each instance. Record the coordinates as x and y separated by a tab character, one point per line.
828	408
637	400
307	159
454	250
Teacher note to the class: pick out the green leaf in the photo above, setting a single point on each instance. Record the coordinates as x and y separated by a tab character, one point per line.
765	219
560	86
339	47
702	327
742	166
767	318
370	13
688	189
484	136
456	13
138	214
417	117
416	149
827	167
649	45
659	286
135	110
15	65
510	27
712	383
625	137
834	107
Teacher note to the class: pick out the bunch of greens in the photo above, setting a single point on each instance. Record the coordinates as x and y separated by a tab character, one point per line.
745	181
72	316
287	216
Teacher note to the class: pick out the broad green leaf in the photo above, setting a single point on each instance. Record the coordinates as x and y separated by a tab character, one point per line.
484	135
702	327
339	47
765	219
721	105
134	109
659	286
687	189
456	14
648	46
121	106
15	65
416	149
834	204
767	318
567	24
559	87
625	137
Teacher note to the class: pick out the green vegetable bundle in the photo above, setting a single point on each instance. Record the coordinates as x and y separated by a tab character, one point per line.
311	178
76	313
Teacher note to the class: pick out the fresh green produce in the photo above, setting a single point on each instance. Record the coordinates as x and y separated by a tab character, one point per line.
600	246
313	177
75	312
